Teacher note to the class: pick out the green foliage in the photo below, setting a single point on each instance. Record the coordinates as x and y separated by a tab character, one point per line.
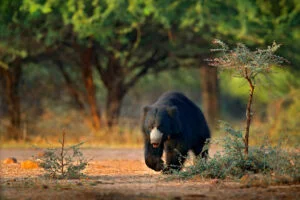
244	63
269	160
64	162
126	23
275	85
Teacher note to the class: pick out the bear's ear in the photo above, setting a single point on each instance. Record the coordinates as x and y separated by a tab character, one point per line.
146	109
172	111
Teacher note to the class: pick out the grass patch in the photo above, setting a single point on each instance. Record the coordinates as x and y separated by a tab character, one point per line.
63	162
274	164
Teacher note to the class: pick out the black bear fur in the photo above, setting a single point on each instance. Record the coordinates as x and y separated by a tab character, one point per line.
183	126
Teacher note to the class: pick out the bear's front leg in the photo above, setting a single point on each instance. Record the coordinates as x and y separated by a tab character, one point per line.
175	156
153	157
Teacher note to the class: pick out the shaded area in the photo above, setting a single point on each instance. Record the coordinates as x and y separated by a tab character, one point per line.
139	187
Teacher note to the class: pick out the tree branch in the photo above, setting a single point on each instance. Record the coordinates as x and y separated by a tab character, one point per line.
99	67
135	44
70	85
142	63
146	66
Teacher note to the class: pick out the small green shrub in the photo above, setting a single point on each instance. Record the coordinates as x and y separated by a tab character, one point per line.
246	64
231	162
237	159
64	162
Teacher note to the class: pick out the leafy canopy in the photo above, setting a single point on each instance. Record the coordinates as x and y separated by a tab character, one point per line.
245	63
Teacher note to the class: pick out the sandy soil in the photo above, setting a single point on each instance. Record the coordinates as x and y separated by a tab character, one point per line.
122	174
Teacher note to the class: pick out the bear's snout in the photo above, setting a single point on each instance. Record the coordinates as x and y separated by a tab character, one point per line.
155	137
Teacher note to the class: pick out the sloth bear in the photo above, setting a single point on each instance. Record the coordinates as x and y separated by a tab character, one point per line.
173	124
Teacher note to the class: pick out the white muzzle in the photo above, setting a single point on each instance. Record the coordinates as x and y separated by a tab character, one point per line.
155	137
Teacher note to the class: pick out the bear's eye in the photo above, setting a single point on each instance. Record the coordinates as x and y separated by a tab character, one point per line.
151	126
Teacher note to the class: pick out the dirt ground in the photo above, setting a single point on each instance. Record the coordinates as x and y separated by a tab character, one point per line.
122	174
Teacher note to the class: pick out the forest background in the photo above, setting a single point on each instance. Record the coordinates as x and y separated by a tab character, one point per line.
88	67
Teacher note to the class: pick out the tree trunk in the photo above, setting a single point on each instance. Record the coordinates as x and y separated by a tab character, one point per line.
115	96
113	77
11	80
87	74
248	115
210	94
71	86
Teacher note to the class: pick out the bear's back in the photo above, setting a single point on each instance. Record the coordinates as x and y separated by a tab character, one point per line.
177	99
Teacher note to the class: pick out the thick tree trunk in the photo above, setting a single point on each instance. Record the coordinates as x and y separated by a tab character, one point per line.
119	77
113	77
87	74
11	81
210	94
115	96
